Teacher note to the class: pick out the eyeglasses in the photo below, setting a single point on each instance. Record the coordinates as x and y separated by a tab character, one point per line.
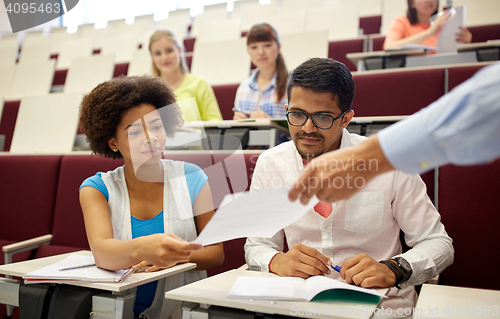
322	121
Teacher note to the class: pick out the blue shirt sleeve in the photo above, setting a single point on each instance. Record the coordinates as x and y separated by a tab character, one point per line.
195	178
462	127
96	182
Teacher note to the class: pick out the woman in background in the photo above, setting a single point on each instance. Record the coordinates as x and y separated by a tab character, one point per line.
263	93
416	27
144	213
169	64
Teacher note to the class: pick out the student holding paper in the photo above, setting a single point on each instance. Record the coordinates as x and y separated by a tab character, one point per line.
145	212
361	234
417	28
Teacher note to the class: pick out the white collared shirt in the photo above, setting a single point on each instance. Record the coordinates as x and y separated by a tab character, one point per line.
369	222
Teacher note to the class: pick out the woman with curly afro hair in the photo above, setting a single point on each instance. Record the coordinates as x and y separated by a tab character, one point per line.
144	213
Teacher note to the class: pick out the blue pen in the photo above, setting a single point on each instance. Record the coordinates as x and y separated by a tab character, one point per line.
336	268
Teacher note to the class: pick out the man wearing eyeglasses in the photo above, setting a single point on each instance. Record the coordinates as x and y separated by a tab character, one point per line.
361	235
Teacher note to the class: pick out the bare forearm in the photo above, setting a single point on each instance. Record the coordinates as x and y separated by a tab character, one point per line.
209	257
114	254
416	39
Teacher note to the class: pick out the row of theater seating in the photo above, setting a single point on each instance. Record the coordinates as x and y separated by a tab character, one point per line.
40	196
385	93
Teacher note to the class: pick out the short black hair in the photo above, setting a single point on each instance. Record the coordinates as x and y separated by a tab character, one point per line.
102	109
324	76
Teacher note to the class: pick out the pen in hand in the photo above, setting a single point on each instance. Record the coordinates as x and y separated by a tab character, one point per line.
77	267
336	268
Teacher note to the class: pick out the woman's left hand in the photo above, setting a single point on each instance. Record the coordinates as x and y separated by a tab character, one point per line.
144	263
464	35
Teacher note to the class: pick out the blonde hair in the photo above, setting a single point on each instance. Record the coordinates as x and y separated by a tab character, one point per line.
169	35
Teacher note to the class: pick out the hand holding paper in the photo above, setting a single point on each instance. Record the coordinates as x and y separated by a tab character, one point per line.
252	214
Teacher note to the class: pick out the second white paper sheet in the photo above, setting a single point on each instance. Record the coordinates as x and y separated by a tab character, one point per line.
253	214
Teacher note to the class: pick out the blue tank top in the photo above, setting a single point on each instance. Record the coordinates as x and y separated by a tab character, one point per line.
195	179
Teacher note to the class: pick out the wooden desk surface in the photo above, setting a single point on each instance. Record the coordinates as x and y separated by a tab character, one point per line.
21	268
447	302
214	291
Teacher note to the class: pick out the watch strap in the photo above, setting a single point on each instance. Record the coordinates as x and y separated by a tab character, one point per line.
398	272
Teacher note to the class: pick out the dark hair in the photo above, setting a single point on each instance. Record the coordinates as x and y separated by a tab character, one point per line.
265	32
102	109
411	13
324	76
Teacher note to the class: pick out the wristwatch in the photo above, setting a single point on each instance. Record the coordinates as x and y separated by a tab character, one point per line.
401	269
405	266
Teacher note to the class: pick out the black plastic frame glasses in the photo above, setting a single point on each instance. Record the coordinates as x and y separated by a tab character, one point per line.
314	117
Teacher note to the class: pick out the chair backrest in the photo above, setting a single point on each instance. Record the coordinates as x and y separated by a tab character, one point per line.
252	12
35	53
221	69
288	22
297	48
215	31
6	77
121	46
57	40
8	122
178	24
68	227
370	25
468	203
76	48
141	62
459	74
341	20
484	33
225	95
46	124
28	187
86	73
33	78
337	50
8	51
217	13
396	93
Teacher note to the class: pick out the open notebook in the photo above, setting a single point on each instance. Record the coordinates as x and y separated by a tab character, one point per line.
53	273
315	288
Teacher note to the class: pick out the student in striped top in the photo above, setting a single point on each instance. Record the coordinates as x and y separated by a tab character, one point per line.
263	93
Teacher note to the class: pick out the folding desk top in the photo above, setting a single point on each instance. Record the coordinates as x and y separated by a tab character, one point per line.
214	291
21	268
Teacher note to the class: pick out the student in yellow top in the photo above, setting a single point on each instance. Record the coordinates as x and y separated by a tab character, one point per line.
416	28
170	65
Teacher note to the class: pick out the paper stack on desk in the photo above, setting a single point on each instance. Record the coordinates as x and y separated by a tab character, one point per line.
253	214
53	273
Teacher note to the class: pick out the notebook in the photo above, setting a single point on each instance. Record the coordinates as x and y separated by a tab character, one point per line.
315	288
53	273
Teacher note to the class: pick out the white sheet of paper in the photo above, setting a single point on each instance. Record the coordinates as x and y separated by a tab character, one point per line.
446	41
253	214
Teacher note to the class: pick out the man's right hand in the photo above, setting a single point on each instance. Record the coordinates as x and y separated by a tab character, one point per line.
300	261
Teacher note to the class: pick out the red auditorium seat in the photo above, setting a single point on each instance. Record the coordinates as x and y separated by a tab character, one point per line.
468	203
397	92
459	74
225	95
28	192
337	50
377	43
484	33
68	229
370	25
189	44
8	122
